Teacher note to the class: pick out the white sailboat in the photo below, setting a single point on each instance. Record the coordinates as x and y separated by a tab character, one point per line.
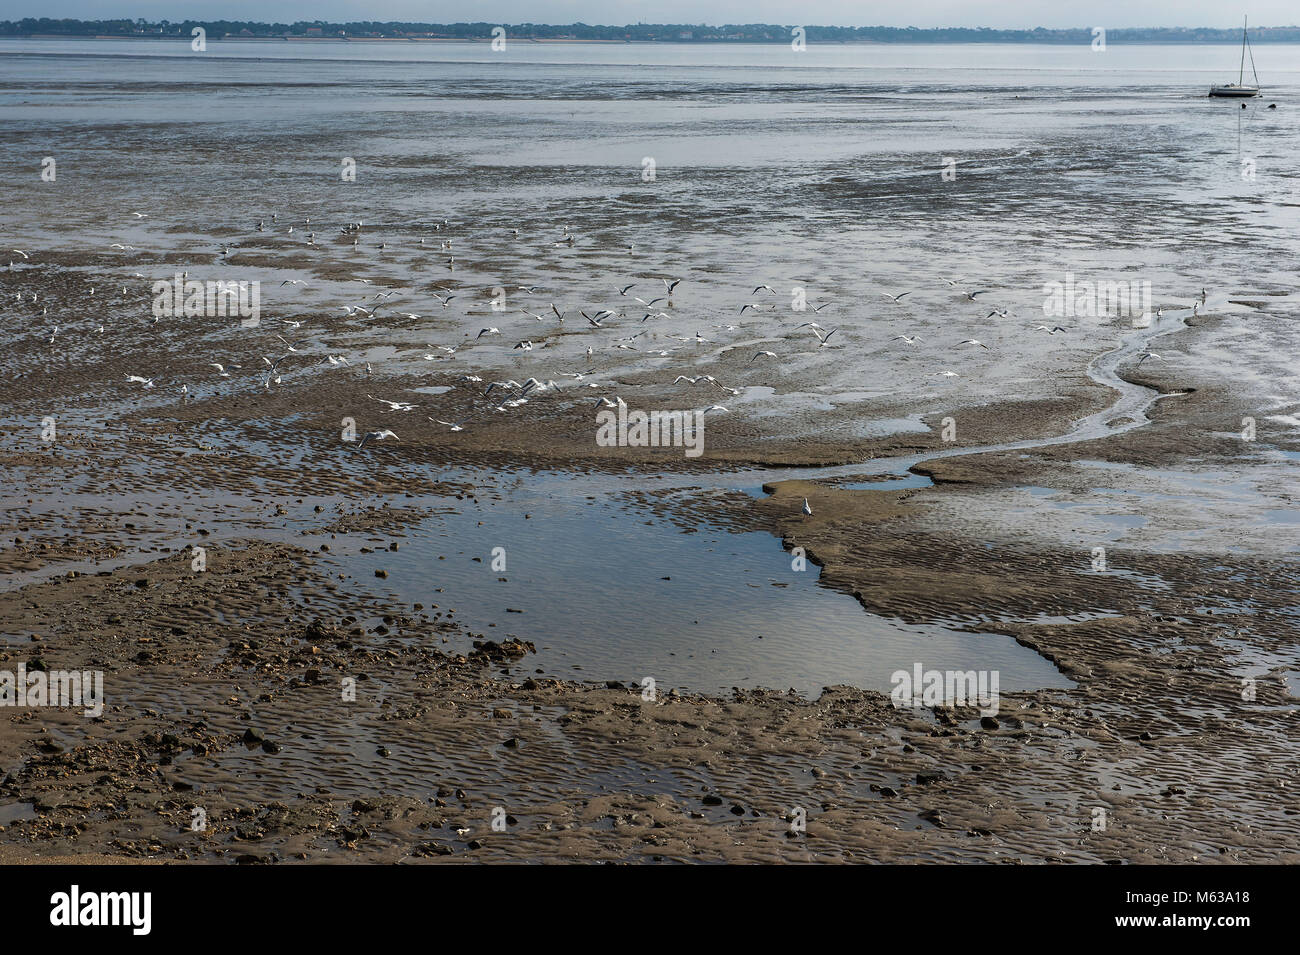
1240	89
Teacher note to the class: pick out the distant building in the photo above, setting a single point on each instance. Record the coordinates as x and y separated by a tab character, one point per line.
313	31
686	35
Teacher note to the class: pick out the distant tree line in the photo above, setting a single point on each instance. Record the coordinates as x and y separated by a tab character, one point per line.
640	32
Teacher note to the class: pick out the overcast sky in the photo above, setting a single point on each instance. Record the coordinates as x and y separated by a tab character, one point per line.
920	13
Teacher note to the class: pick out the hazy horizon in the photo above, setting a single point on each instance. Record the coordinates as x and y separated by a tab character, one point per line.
923	14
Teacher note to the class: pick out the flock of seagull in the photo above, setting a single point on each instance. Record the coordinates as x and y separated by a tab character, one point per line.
631	312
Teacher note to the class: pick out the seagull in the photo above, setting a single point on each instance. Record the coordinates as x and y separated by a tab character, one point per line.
292	281
626	288
971	295
340	360
558	313
291	347
652	302
220	369
1148	354
21	252
758	355
376	436
487	331
671	285
761	287
451	425
140	215
974	341
807	509
818	308
704	411
147	382
895	298
1051	331
824	338
910	339
393	405
948	374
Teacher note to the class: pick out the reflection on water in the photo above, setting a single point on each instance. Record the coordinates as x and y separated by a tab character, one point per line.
606	594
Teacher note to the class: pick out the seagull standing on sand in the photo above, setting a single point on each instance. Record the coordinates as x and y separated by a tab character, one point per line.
806	508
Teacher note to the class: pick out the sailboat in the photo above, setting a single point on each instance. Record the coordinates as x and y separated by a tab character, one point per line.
1239	89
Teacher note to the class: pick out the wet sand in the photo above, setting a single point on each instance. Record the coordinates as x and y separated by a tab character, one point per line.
320	691
225	686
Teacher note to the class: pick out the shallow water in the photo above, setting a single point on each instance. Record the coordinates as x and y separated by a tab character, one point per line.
821	173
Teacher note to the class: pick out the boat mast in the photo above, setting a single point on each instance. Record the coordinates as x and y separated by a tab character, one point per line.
1251	50
1241	73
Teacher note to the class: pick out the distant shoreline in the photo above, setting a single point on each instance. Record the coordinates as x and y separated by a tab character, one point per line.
1031	41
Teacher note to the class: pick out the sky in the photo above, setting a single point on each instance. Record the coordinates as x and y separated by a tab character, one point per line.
1010	14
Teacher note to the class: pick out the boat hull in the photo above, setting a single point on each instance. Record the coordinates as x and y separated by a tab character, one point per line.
1233	91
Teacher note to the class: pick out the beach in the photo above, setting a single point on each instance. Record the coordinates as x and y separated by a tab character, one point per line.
513	642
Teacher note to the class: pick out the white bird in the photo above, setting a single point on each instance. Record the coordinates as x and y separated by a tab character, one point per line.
974	341
671	285
1148	354
147	382
807	509
393	405
21	252
896	299
220	369
910	339
451	425
704	411
761	287
758	355
487	331
824	338
340	360
1051	331
376	436
292	281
